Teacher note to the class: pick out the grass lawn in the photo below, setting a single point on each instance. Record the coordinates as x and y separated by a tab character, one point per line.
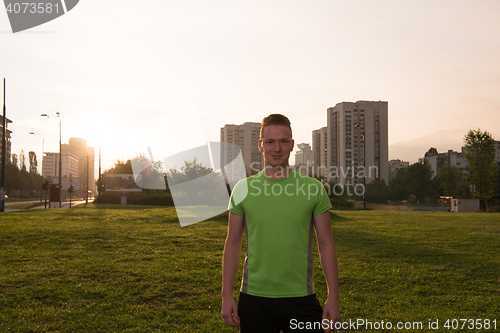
136	270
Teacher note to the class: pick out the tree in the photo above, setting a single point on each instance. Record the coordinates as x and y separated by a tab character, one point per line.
207	181
497	188
151	180
338	197
12	177
418	181
123	167
397	188
149	176
21	180
22	161
189	171
450	179
480	155
14	160
33	162
377	191
431	152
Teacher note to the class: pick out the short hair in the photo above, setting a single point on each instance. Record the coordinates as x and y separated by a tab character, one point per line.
275	119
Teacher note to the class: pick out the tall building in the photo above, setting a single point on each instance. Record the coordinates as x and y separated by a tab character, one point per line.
50	166
86	161
450	158
395	166
350	127
304	159
7	139
320	156
246	137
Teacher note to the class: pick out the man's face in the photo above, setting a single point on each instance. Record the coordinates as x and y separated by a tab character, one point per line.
276	144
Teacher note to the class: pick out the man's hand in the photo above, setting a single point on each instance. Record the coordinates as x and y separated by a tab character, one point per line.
230	262
328	257
332	310
230	311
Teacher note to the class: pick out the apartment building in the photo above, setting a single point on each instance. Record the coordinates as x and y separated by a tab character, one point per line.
7	139
245	137
450	158
304	159
86	161
320	152
395	166
50	165
352	127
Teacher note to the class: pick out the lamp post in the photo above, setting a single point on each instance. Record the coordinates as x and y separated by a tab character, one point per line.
41	169
60	152
362	127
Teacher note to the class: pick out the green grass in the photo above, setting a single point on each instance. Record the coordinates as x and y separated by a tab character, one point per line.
416	266
134	269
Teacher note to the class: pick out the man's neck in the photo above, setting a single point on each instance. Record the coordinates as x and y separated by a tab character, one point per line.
276	172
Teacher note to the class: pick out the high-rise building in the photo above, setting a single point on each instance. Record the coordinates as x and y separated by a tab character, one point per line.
352	127
320	156
395	166
246	137
450	158
304	159
50	166
86	161
7	139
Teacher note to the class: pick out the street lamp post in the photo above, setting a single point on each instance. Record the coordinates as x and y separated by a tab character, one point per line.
60	153
41	168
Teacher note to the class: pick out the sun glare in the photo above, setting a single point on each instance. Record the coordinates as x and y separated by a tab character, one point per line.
109	133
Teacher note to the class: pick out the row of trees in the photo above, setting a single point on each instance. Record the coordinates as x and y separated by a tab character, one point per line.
154	184
154	173
21	180
158	185
417	182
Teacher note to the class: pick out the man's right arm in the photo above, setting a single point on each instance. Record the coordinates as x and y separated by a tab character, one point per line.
230	264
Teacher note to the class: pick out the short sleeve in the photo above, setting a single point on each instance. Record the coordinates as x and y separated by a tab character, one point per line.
238	194
322	202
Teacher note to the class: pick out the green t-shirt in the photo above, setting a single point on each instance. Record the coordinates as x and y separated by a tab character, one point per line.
279	229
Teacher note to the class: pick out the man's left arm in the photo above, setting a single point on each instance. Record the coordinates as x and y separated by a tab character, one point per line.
328	258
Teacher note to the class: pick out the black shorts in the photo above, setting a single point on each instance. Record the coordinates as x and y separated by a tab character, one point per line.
272	315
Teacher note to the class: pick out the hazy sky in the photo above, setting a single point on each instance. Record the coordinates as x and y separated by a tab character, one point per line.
111	66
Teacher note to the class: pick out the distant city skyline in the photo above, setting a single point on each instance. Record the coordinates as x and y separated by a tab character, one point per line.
436	63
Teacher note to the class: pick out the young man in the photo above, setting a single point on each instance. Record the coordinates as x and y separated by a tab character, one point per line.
278	209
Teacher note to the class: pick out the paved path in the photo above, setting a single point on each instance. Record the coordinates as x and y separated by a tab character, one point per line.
63	204
42	205
20	202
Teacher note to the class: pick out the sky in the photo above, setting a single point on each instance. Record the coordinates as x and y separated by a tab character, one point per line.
118	70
